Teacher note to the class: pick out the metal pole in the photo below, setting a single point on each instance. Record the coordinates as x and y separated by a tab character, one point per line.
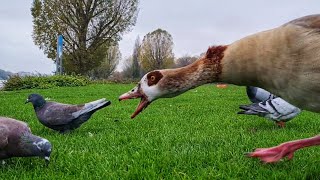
57	58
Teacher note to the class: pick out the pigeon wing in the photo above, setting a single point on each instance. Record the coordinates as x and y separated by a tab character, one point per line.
58	113
91	106
282	109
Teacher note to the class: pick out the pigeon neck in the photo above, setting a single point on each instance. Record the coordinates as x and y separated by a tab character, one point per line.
39	104
28	142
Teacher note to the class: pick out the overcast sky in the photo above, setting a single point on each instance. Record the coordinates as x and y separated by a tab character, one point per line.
193	24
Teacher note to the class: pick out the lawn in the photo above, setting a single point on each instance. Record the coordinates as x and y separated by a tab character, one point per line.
197	135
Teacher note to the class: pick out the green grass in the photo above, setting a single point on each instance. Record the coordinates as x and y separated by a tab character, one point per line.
197	135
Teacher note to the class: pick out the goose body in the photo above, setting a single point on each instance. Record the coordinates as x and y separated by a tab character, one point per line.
284	61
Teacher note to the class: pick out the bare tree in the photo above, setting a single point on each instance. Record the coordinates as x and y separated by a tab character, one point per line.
108	65
156	50
136	69
127	68
132	67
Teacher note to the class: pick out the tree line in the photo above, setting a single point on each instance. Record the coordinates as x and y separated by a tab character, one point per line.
92	30
155	51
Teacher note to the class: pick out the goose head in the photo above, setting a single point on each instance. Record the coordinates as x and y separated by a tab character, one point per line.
153	85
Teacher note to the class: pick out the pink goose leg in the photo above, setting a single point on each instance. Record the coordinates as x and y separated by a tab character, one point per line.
274	154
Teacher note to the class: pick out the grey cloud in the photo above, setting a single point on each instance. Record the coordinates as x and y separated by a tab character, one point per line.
194	25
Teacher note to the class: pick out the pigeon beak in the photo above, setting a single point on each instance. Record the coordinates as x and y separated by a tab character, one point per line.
136	92
47	160
27	101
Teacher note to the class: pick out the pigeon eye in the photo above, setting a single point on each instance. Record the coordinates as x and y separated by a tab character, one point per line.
153	78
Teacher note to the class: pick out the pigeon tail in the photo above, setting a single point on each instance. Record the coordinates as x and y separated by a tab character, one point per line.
92	107
253	109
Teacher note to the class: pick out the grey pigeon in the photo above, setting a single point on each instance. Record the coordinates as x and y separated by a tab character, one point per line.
64	117
16	140
269	106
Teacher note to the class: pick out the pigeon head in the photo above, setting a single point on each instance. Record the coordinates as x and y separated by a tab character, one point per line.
36	100
42	148
36	146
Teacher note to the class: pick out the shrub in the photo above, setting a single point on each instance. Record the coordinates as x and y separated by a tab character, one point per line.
43	82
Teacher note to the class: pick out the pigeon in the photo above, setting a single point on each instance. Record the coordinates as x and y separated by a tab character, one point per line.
64	117
16	140
265	104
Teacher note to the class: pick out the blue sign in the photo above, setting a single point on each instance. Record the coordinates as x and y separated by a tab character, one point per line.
59	54
60	46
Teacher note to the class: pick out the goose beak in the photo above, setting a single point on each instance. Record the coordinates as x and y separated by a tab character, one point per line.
135	93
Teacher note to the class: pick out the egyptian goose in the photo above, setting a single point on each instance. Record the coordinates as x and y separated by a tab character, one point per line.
269	106
284	60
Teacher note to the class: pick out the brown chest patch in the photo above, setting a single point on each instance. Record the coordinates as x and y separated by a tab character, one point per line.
214	55
154	77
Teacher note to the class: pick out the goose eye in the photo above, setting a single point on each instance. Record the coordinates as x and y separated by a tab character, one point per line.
153	78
